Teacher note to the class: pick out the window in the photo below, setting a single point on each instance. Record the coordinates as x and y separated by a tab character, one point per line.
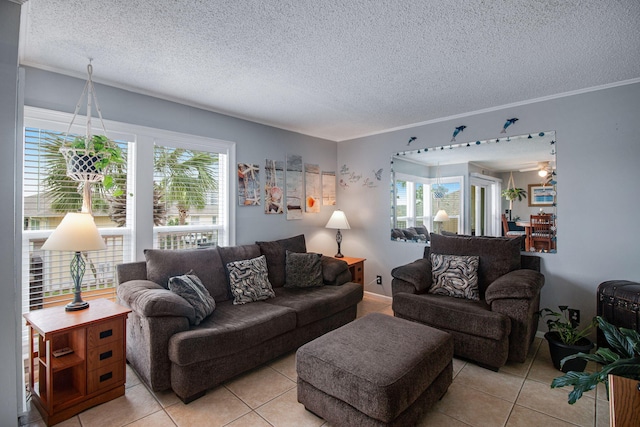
415	203
187	184
48	194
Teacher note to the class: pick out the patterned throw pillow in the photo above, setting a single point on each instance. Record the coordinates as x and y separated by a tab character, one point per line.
455	276
303	270
189	287
249	280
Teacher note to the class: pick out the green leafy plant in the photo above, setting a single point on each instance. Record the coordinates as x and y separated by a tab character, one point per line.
514	193
566	329
622	359
108	155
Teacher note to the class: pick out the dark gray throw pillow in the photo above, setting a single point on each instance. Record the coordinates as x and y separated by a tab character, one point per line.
249	280
303	270
189	287
455	276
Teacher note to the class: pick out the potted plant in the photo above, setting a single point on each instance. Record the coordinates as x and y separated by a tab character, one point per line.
622	358
93	161
514	193
566	339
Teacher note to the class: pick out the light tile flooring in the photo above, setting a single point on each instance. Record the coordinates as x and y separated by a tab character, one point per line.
518	395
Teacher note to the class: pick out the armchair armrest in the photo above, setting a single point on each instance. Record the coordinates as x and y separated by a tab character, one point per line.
148	299
517	284
334	271
417	274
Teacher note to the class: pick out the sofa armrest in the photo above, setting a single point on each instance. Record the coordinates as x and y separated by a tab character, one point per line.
148	299
333	271
517	284
131	271
417	274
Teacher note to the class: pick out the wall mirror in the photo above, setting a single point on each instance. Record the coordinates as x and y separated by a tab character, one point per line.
460	188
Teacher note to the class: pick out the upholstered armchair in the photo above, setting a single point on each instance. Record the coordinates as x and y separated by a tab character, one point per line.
490	324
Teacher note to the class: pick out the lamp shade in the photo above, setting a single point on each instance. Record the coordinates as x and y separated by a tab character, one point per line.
76	233
338	220
441	216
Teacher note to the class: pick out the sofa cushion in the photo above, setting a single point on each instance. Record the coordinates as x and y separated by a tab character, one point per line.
455	276
205	263
498	255
303	270
231	329
275	252
237	253
313	304
453	314
189	287
249	280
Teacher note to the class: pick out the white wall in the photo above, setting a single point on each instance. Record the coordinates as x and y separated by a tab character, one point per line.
598	159
254	142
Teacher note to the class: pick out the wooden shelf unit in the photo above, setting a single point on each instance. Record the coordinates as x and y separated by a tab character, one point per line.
93	373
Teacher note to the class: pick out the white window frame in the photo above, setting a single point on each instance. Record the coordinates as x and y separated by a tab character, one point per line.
427	218
144	139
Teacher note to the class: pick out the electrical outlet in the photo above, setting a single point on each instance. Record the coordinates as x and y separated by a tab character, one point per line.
379	280
574	316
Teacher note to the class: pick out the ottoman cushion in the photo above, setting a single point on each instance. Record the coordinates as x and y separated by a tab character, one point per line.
379	365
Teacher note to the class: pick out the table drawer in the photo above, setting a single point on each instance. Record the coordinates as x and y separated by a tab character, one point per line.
105	332
107	354
106	376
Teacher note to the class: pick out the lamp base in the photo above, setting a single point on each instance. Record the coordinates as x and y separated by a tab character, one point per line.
338	255
75	306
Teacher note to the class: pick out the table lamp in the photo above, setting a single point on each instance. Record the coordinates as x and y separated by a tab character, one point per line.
338	220
440	217
76	233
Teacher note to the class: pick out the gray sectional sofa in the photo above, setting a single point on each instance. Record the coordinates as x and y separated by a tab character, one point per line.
168	350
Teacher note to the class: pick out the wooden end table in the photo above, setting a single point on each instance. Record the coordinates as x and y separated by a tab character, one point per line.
93	369
356	266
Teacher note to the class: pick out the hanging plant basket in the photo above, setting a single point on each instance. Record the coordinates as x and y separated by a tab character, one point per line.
439	191
82	164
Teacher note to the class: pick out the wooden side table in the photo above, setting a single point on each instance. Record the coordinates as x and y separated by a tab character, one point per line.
356	266
91	373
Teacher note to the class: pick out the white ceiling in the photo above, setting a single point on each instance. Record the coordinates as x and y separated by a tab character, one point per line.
339	69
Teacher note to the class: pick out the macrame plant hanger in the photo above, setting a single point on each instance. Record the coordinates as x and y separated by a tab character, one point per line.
511	184
81	161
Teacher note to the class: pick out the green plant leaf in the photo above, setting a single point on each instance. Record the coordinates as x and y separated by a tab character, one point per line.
622	359
615	338
107	182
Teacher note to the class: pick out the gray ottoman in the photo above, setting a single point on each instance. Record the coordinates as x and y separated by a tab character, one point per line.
375	371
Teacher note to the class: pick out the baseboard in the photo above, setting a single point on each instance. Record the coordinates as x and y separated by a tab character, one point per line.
382	298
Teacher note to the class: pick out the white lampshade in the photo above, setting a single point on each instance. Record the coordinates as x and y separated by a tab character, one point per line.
76	233
441	216
338	220
542	173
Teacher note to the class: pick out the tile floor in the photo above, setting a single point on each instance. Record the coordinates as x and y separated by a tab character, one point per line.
518	395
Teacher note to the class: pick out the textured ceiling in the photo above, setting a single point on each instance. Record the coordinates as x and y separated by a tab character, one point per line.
339	69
